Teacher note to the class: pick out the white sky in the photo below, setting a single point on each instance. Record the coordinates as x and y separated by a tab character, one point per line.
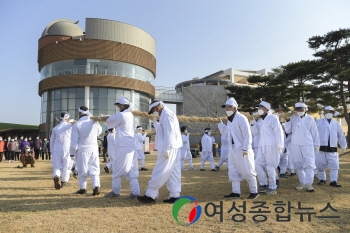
194	38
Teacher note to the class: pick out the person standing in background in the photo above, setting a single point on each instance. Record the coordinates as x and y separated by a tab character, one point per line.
37	147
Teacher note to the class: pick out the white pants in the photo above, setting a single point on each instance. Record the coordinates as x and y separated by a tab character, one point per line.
207	156
60	164
290	165
283	163
140	157
223	158
327	160
125	165
266	163
166	171
111	155
88	164
186	155
304	162
241	167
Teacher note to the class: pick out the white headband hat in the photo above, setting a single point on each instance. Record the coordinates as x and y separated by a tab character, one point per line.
123	100
230	102
139	128
207	130
266	105
300	105
84	112
154	104
66	116
329	108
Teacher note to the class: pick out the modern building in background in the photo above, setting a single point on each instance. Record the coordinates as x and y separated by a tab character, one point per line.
94	67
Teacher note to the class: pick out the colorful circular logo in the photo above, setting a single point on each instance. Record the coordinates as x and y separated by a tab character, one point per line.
194	214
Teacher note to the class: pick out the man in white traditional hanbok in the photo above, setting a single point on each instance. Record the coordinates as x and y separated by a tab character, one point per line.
125	160
167	143
241	156
185	149
331	134
140	137
85	149
223	150
271	144
59	145
304	143
207	150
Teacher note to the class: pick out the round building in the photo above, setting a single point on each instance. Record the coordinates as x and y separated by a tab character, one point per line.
94	68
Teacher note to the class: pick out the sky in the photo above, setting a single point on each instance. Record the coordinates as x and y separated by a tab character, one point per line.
194	38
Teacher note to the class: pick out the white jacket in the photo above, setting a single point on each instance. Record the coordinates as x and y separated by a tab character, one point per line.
123	122
224	138
139	139
304	130
270	131
207	143
331	130
61	136
84	134
168	135
239	131
185	142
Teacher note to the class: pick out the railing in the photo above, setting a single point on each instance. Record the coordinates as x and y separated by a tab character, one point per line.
168	94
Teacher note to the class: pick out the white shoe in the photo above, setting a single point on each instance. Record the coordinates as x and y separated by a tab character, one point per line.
309	188
300	186
192	169
184	169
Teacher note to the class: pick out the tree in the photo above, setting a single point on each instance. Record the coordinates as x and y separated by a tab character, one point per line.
333	51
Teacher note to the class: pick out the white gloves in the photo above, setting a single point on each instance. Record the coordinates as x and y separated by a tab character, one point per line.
166	154
145	133
280	150
316	148
245	152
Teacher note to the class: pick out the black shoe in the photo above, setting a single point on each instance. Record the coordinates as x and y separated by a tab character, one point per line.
279	169
214	170
217	168
170	200
146	199
278	183
143	169
106	169
56	181
334	184
233	195
201	170
283	176
292	174
253	195
96	191
81	191
321	182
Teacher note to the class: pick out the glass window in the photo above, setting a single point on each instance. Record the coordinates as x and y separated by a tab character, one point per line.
71	104
93	92
64	104
64	93
119	93
79	102
102	92
80	92
127	94
111	93
71	92
102	104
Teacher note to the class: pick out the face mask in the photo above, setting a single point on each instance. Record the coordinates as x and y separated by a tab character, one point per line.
255	114
155	114
37	138
209	133
301	114
328	115
186	131
25	140
45	139
229	113
260	112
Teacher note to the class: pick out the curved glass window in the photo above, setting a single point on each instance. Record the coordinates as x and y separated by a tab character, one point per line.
96	66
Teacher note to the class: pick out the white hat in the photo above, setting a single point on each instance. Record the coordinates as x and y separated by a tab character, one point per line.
300	105
153	104
122	100
265	104
230	102
329	108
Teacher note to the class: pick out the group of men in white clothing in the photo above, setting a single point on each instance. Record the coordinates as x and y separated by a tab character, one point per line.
301	143
253	150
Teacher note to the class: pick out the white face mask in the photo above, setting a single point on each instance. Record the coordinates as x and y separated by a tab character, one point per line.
209	133
186	131
155	114
229	113
255	114
301	114
260	112
25	140
328	115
